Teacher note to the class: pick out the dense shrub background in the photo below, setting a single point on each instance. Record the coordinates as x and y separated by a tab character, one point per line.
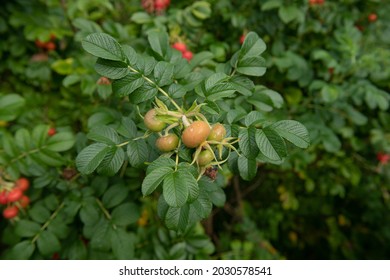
331	64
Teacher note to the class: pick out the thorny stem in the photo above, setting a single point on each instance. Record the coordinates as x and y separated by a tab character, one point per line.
52	217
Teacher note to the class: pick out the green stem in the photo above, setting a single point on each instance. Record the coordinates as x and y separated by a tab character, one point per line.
104	210
159	88
52	217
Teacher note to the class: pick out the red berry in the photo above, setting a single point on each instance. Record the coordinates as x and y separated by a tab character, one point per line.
312	2
24	201
50	46
51	131
22	184
10	212
3	197
242	39
372	17
160	5
180	46
383	158
15	195
52	37
187	55
320	2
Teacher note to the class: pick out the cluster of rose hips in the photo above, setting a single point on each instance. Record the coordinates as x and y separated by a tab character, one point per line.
193	130
49	45
12	195
157	6
181	47
316	2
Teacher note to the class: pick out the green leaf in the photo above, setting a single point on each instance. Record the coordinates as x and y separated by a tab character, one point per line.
39	213
254	118
122	244
10	106
48	157
289	13
137	152
48	243
293	131
127	128
253	46
91	156
127	84
159	42
247	168
104	134
144	93
243	85
271	4
89	213
175	189
176	218
211	107
160	162
176	90
252	66
141	18
115	195
111	69
104	46
125	214
247	142
39	134
22	251
271	144
163	73
101	238
112	162
26	228
130	54
202	206
217	87
154	178
61	142
193	188
23	139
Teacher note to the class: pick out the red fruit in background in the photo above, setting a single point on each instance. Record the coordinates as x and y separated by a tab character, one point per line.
103	81
51	131
15	195
242	39
40	44
3	197
372	17
24	201
331	70
52	37
50	46
160	5
188	55
180	46
383	158
23	184
10	212
320	2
